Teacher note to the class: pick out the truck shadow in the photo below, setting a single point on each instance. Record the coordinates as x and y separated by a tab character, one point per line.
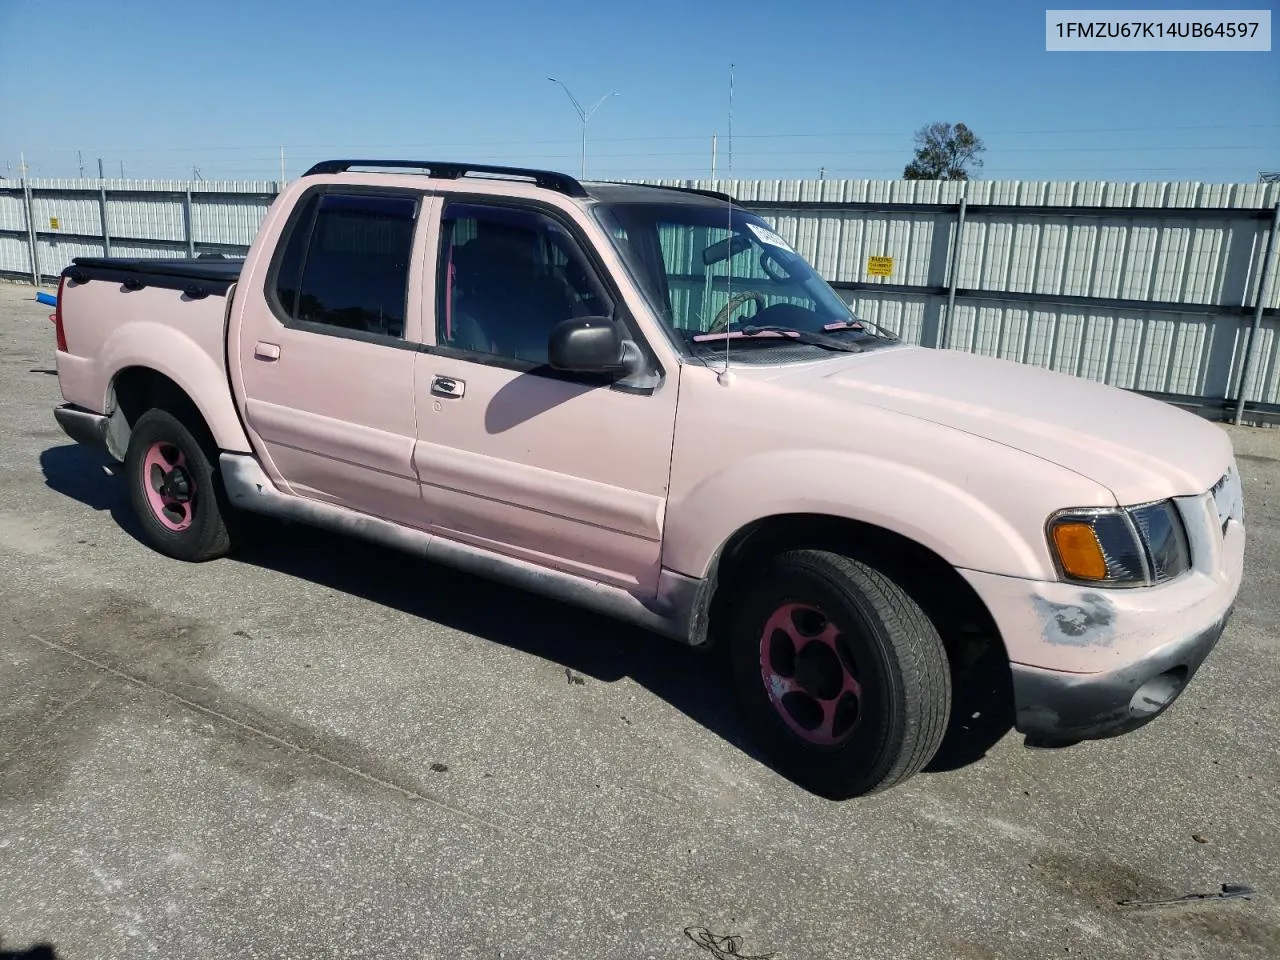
694	682
84	475
41	951
583	643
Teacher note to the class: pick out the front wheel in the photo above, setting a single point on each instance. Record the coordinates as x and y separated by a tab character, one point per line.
841	675
174	491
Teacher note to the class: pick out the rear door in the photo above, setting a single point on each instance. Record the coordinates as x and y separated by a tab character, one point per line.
565	471
326	356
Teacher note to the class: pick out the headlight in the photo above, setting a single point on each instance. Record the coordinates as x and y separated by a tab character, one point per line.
1132	547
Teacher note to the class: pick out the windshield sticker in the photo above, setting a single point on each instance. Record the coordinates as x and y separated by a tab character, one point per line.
765	235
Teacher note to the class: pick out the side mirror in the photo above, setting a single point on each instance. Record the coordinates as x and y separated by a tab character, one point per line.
587	345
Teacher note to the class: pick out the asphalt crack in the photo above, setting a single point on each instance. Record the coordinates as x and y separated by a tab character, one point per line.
266	735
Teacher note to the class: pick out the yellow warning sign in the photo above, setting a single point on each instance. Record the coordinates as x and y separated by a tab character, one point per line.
53	223
880	266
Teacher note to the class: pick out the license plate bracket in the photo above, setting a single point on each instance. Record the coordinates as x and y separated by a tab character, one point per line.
1228	497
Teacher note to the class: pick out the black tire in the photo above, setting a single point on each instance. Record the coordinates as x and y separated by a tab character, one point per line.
206	535
881	640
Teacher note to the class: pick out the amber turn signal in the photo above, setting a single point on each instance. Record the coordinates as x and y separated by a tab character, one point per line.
1079	551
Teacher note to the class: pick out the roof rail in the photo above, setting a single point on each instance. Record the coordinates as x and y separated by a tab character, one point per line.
452	170
658	186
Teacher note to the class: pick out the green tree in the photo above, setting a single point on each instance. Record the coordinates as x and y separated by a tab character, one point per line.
944	151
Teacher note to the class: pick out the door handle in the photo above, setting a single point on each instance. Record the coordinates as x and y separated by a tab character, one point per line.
266	351
447	386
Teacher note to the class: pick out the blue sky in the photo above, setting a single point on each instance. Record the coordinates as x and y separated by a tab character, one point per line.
164	86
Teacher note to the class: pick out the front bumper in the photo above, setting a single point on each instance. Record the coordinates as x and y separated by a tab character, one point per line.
1088	662
1057	708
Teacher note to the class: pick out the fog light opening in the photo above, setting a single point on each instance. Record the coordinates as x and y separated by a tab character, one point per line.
1157	693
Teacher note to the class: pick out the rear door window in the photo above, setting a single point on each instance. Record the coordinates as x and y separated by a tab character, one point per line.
353	272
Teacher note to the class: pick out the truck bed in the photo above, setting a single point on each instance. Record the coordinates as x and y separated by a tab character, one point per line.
164	315
201	277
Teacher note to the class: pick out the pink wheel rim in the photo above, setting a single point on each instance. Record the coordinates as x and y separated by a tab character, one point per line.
810	675
171	490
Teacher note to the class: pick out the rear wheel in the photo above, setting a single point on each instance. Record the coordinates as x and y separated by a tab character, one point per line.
174	489
841	675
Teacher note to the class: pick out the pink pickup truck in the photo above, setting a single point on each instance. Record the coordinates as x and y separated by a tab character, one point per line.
643	401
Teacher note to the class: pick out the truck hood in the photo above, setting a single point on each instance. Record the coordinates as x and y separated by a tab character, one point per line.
1139	448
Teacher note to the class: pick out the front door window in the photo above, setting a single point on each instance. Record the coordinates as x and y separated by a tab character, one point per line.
508	277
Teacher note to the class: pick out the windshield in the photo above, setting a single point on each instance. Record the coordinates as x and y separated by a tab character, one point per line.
711	271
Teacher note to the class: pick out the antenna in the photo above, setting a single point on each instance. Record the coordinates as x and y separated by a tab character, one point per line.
725	379
731	122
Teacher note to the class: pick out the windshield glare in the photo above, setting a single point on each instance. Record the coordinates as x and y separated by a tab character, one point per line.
706	269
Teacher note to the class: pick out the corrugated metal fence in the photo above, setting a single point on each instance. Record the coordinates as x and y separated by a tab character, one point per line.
1147	286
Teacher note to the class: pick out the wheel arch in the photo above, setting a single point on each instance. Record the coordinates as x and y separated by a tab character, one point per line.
149	358
967	627
136	389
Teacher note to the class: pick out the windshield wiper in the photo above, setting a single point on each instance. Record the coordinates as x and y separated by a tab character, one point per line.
866	326
807	337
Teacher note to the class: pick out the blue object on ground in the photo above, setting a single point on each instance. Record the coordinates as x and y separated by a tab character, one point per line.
47	298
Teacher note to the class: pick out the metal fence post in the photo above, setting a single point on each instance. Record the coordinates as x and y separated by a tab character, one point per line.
954	269
186	222
102	213
1264	288
31	232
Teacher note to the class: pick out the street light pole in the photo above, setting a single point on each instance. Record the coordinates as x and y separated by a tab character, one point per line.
584	115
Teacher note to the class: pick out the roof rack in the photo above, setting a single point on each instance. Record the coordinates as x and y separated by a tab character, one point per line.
658	186
451	170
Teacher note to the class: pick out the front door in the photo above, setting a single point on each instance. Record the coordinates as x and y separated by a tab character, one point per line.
326	357
514	457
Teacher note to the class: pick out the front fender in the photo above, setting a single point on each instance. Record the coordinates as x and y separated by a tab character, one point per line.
960	525
187	363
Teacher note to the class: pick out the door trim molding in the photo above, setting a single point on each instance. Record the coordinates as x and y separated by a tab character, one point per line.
362	446
549	492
